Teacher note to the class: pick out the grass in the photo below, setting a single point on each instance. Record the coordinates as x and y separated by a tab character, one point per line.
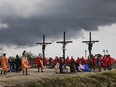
104	79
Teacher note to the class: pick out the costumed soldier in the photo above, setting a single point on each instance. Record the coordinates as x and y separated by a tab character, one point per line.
25	63
4	64
39	62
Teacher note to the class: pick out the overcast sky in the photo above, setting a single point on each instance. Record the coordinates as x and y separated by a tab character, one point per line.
22	23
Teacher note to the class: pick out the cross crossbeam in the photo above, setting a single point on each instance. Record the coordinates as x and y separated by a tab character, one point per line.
90	43
43	44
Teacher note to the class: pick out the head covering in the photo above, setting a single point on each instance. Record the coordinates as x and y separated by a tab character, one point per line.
24	52
39	55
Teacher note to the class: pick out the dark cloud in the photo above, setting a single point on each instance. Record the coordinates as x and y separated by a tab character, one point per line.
53	17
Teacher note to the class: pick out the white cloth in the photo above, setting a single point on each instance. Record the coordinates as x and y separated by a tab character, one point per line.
82	66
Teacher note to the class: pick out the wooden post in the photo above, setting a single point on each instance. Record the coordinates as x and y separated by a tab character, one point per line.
64	42
43	44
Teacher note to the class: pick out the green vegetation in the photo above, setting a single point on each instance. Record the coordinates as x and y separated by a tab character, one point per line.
105	79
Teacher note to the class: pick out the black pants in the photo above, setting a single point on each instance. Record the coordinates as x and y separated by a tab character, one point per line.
25	71
2	71
60	67
17	68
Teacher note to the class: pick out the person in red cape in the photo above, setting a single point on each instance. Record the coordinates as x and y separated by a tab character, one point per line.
104	62
67	61
78	60
61	61
83	61
72	59
39	62
92	61
110	62
55	61
88	61
72	64
50	62
99	62
95	65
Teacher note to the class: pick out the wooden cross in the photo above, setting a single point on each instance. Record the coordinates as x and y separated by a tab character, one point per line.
64	42
43	44
90	43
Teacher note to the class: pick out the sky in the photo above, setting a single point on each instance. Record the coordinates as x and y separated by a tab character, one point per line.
23	22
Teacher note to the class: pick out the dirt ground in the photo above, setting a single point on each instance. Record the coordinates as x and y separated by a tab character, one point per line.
12	78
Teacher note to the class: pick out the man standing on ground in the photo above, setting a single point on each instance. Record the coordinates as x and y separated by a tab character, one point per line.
4	63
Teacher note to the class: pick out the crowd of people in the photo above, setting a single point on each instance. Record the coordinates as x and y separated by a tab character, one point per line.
60	64
69	65
15	65
84	65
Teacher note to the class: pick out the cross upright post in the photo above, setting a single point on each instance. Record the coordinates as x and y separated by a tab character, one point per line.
90	43
64	42
43	44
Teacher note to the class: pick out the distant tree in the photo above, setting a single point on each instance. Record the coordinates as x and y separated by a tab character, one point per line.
31	58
